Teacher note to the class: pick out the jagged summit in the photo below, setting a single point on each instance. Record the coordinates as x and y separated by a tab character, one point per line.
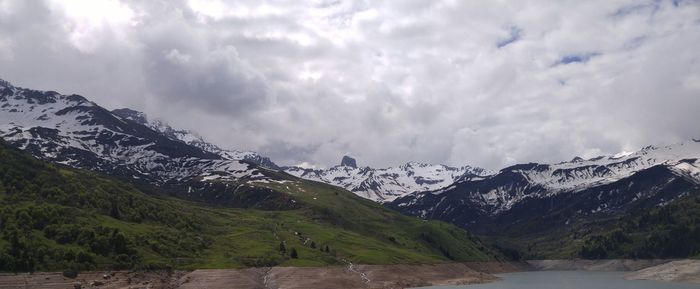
348	162
386	184
131	114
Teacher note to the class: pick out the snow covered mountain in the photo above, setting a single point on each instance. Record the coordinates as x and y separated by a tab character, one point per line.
70	130
387	184
193	139
599	186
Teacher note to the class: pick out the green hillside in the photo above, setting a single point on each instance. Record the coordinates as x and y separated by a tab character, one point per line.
54	218
670	231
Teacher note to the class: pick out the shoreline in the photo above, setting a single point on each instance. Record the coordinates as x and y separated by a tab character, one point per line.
347	277
596	265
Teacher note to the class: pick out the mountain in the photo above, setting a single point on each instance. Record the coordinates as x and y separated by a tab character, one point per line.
538	199
81	186
70	130
194	139
348	162
53	217
387	184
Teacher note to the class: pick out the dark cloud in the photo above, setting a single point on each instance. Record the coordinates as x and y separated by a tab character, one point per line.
454	82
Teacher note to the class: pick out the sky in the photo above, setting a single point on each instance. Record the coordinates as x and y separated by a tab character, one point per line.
482	83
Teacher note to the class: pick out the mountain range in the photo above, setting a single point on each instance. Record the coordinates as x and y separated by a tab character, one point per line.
387	184
518	204
601	185
82	187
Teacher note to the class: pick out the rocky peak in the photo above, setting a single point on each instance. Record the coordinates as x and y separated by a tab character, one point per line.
130	114
348	162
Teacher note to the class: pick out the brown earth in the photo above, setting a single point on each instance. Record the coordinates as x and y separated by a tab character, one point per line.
676	271
596	265
336	277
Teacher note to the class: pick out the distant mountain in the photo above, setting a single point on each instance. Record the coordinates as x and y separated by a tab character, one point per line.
530	198
193	139
387	184
70	130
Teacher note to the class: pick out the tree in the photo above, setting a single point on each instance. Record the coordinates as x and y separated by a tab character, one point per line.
294	254
283	248
313	245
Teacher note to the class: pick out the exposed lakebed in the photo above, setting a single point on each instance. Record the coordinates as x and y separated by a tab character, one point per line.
570	280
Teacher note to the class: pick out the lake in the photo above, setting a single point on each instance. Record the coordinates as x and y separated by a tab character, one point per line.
570	280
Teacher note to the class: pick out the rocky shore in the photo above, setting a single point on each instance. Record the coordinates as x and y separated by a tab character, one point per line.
345	277
596	265
675	271
339	277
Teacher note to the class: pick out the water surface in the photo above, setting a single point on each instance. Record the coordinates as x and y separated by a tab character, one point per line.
570	280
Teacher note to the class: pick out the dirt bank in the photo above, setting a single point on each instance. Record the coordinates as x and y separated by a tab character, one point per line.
106	280
595	265
678	271
337	277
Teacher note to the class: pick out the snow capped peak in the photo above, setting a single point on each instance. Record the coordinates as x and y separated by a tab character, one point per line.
193	139
621	154
70	130
386	184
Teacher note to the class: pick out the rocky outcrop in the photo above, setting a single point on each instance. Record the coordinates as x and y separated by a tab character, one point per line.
348	162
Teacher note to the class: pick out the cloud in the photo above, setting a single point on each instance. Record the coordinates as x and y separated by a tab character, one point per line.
454	82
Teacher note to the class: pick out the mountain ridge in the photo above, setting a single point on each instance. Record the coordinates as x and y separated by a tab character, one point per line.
387	184
599	186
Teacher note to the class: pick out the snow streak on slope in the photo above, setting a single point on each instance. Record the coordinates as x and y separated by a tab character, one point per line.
514	185
71	130
580	174
383	185
193	139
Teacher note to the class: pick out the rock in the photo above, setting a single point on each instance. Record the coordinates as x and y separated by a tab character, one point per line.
70	273
348	162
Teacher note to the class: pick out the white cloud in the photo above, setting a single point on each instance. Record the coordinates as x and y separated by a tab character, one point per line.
456	82
89	20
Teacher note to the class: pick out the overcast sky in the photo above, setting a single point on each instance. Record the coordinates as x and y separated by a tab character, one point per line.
486	83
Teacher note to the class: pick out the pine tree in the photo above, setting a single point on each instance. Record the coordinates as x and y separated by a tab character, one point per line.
283	248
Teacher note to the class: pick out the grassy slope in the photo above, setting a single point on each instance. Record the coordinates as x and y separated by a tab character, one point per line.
54	217
672	231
